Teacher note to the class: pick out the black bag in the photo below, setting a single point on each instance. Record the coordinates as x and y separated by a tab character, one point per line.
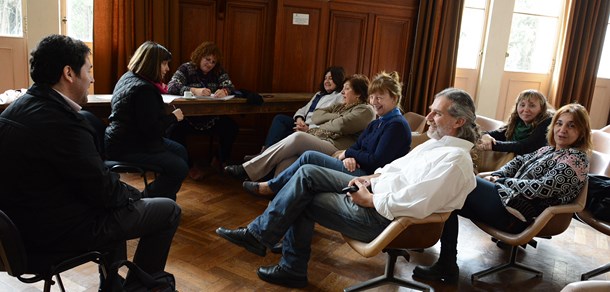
250	96
141	282
598	197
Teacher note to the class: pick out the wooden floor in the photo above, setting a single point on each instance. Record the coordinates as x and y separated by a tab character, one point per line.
201	261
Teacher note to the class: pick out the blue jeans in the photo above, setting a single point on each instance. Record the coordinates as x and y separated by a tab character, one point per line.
281	127
313	195
310	157
173	161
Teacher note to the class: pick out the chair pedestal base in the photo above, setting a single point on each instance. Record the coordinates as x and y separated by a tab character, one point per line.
388	277
512	263
601	270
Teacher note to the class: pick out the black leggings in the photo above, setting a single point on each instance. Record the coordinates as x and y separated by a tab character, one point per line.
483	204
224	127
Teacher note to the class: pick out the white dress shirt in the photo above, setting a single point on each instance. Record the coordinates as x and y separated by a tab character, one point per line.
434	177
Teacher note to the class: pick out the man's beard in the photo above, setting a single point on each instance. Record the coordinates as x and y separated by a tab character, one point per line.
434	134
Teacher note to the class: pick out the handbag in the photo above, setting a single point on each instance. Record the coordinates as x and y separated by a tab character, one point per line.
598	197
140	280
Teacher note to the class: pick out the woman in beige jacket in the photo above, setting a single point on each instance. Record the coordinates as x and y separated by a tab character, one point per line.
338	127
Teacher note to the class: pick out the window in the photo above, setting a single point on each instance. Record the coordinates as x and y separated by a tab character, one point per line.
471	34
604	62
79	19
10	18
533	35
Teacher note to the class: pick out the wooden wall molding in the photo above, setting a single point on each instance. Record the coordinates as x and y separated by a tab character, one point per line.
266	51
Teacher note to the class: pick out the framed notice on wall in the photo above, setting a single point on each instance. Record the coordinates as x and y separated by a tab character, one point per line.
300	19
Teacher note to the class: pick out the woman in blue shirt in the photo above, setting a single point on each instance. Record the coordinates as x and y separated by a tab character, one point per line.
384	140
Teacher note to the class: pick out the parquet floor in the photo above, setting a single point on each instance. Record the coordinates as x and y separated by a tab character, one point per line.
201	261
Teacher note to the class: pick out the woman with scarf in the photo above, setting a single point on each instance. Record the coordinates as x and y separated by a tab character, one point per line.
526	129
138	121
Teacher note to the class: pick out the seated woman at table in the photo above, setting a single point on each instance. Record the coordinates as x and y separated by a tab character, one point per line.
338	128
203	75
329	94
526	129
138	121
512	197
383	141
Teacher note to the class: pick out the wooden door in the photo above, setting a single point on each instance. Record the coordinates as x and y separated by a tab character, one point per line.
197	24
371	37
14	60
13	50
247	36
361	36
242	29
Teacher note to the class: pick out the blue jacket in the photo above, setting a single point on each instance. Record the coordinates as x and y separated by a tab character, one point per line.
383	141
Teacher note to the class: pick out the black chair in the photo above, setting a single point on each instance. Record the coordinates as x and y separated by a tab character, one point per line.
31	268
114	165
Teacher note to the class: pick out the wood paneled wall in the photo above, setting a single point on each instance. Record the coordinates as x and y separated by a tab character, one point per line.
265	51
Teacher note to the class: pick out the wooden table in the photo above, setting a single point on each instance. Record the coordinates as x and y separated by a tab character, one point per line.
273	103
99	104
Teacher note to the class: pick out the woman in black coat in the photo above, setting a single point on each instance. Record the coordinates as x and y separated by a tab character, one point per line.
138	121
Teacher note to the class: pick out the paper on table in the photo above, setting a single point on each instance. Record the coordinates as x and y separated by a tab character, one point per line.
213	97
168	98
189	95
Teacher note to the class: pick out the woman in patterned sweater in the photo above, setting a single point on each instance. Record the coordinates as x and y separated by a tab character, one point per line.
512	197
204	76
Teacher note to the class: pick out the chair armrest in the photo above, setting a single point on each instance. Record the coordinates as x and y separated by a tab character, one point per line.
393	230
599	225
540	222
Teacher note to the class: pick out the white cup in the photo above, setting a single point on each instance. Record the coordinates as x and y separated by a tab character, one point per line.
188	94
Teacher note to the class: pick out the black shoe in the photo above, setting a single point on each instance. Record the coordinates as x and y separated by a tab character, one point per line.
277	248
446	272
236	171
252	187
243	238
275	275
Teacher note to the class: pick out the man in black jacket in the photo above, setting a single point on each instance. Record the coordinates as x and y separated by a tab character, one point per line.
53	183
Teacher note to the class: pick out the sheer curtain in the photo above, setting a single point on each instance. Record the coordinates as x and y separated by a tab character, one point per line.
120	26
434	54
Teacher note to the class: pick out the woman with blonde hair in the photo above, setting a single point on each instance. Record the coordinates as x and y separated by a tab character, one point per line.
384	140
526	129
